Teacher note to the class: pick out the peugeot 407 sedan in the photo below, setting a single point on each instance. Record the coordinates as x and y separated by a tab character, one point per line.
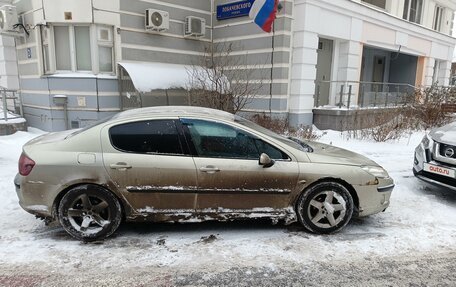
189	164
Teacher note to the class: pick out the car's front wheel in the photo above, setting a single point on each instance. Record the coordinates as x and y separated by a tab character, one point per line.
325	207
89	212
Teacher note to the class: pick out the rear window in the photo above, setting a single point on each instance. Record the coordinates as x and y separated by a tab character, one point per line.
96	123
153	136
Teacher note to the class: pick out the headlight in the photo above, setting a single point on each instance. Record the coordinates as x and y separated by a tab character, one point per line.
426	141
376	171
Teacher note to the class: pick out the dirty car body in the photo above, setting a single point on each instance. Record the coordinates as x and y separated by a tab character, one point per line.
189	164
435	157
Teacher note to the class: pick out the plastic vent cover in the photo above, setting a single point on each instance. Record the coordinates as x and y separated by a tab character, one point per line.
157	19
195	26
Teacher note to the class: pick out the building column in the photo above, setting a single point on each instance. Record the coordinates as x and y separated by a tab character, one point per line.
348	70
303	75
444	73
8	64
420	71
429	72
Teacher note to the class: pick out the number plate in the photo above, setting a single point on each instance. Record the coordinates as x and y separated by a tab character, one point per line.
439	170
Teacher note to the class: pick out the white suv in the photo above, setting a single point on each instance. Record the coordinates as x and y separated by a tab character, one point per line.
435	157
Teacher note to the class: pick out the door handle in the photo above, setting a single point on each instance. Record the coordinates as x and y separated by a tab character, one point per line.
209	169
120	166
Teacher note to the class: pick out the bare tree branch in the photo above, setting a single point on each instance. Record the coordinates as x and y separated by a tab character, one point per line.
224	81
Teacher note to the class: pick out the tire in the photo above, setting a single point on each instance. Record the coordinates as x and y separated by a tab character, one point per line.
324	208
89	212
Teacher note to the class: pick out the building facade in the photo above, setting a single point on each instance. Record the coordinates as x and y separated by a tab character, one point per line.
82	58
8	63
374	51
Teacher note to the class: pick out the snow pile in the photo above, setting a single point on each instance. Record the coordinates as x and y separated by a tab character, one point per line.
419	221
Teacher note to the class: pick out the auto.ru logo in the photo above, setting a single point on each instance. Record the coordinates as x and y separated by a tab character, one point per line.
439	170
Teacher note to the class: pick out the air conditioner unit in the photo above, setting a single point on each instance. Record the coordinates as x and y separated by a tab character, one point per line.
157	20
195	26
8	18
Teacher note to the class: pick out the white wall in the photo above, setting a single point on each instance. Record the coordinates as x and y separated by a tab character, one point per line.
353	25
8	61
396	8
8	64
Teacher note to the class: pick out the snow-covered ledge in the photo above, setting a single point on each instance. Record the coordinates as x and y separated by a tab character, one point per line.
11	124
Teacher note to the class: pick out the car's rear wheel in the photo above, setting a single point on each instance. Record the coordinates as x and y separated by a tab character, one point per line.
325	207
89	212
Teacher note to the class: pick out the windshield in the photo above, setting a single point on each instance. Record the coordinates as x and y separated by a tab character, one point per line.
78	131
288	141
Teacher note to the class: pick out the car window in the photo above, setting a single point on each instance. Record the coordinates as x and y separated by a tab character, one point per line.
213	139
81	130
272	152
153	136
290	142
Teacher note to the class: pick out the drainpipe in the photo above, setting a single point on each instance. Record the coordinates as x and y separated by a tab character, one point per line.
5	109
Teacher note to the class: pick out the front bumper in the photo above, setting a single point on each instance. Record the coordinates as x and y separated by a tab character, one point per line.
374	198
423	156
435	180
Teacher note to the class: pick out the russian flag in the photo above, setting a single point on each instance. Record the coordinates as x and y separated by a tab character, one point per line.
263	13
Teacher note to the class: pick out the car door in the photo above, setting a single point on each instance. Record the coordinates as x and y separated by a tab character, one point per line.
149	163
228	169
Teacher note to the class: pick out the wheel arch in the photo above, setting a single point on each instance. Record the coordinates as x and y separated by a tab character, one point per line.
61	194
345	184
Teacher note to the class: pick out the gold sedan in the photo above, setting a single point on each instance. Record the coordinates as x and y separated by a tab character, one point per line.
190	164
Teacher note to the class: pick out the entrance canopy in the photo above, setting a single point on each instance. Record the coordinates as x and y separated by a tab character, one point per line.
154	76
147	77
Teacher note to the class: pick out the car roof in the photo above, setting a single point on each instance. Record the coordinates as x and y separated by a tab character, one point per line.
173	111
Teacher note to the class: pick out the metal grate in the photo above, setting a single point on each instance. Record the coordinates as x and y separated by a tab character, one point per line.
447	151
10	105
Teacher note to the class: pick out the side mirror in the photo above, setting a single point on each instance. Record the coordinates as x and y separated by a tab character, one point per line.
265	160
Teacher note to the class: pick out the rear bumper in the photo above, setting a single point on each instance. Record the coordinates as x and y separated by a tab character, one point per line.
31	201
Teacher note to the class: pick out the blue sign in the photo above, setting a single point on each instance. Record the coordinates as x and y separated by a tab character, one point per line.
234	9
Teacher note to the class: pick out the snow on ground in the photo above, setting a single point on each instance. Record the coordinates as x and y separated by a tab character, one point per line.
419	221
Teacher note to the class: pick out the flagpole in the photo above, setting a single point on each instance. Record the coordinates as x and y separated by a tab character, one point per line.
263	13
272	70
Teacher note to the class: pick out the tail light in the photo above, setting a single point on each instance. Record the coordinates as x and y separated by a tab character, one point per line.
26	164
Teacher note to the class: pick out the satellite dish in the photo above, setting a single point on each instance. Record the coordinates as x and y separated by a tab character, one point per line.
157	19
2	20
